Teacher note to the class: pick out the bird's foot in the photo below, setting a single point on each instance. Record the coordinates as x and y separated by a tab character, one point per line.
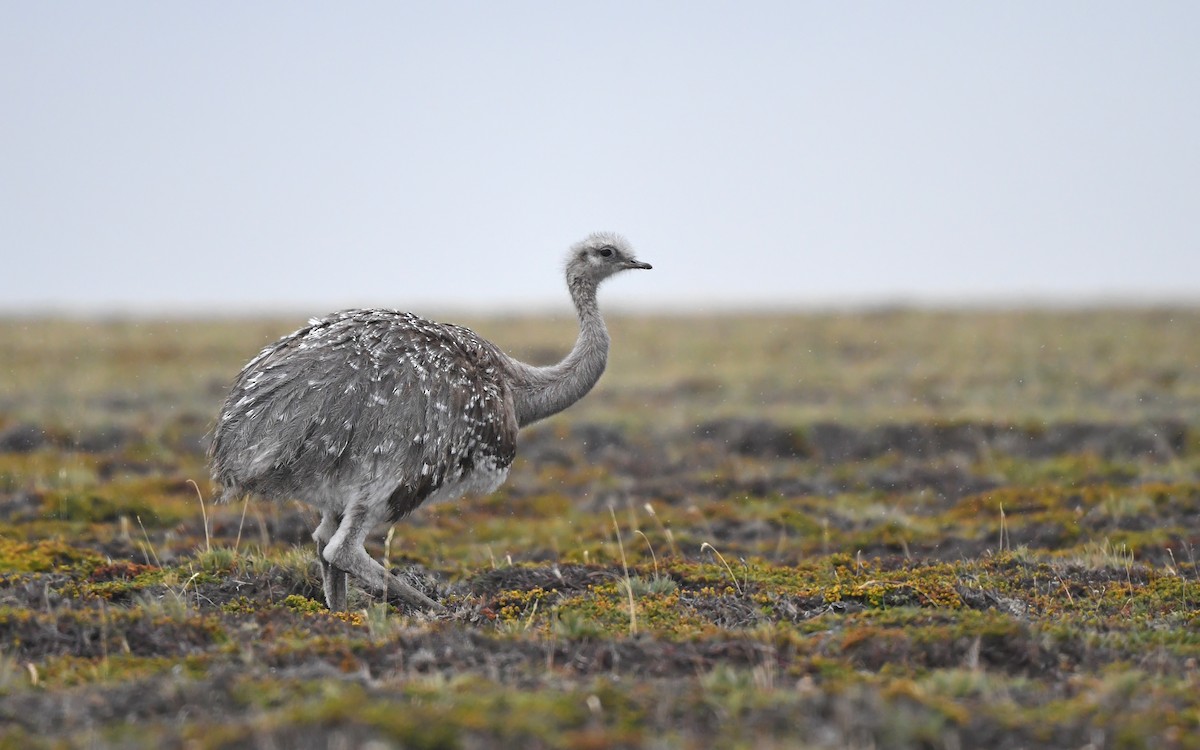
410	595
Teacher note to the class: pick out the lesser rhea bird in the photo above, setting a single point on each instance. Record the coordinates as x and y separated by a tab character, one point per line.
366	414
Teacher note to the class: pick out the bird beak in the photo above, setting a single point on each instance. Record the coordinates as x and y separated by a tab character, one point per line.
637	264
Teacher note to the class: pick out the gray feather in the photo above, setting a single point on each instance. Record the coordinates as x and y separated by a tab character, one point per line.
360	396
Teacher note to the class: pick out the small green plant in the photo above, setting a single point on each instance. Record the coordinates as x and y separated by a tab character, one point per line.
575	626
1104	554
303	605
657	584
218	559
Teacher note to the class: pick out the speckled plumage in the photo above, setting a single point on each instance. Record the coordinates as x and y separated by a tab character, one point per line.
366	414
364	398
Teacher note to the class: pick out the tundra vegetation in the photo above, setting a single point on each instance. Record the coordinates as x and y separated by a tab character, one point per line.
884	528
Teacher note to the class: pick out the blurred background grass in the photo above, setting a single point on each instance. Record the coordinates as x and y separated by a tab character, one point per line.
856	367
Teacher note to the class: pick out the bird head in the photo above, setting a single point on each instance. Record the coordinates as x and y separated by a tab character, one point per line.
599	256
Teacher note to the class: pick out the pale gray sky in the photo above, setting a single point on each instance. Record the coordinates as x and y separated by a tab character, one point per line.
307	156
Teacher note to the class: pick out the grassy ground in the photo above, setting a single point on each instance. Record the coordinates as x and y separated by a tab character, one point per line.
885	529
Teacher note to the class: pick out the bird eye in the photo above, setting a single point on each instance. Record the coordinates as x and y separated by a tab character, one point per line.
606	251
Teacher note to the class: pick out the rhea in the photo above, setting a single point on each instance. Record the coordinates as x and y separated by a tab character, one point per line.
366	414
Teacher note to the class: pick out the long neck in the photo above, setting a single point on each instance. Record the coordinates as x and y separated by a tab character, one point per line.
542	391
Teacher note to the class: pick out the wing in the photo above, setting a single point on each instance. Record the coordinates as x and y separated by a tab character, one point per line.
364	398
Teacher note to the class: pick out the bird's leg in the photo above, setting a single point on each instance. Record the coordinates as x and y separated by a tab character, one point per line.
333	579
345	552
